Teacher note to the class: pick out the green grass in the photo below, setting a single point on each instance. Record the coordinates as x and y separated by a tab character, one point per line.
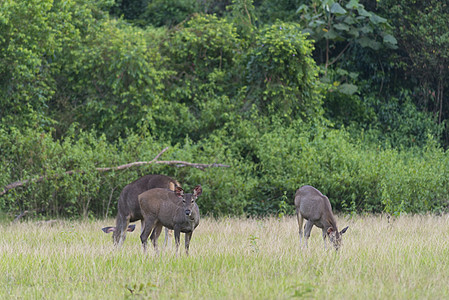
229	259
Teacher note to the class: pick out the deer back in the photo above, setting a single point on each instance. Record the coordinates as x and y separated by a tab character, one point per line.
315	206
128	203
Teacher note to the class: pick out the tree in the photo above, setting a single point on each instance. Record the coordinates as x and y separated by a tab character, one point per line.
423	35
33	52
281	74
336	27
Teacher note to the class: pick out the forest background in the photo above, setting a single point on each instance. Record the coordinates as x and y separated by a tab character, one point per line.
347	96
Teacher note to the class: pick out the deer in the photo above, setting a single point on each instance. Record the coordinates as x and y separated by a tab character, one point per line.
315	207
174	210
129	207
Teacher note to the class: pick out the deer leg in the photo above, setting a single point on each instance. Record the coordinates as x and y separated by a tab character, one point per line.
300	221
119	234
155	235
324	238
177	238
188	237
142	225
167	237
307	230
149	224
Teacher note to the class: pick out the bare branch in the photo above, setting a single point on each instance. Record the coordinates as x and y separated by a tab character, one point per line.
339	55
180	163
177	163
137	163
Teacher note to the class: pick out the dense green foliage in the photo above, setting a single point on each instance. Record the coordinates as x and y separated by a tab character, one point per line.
302	92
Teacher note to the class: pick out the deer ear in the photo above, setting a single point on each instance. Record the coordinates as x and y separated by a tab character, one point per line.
330	230
197	191
108	229
344	230
179	191
131	227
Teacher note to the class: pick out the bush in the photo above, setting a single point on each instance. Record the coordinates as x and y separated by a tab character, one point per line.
31	154
355	177
266	168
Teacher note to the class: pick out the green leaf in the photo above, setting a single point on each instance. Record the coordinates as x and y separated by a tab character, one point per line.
341	26
337	9
367	42
353	75
331	35
342	72
363	12
349	20
348	89
366	29
389	39
302	9
353	4
354	32
377	19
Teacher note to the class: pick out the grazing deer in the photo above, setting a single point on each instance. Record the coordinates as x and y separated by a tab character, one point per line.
129	207
313	206
174	210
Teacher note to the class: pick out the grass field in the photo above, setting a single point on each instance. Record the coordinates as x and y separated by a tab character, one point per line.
229	259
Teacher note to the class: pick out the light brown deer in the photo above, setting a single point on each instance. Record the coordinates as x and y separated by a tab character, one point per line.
129	207
313	206
174	210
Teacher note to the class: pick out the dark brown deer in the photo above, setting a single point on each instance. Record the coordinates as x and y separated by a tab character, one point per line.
129	207
173	210
313	206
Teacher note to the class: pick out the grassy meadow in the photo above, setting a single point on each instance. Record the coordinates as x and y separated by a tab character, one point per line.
229	258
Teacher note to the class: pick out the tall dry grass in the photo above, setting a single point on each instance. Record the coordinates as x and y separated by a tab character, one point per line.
229	259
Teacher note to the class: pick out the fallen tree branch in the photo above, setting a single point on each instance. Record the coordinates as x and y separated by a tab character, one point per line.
137	163
177	163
